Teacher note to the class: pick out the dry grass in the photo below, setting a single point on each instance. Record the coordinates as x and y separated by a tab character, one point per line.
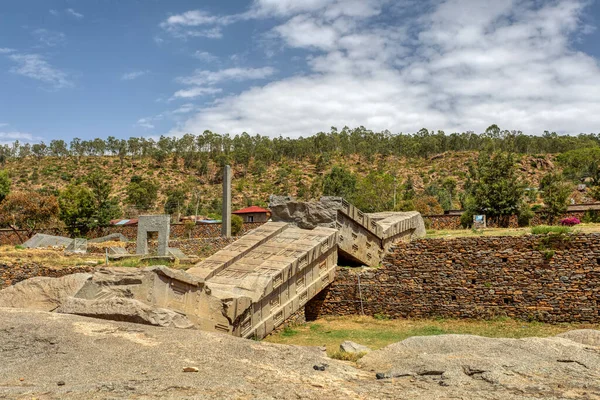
454	233
376	333
46	257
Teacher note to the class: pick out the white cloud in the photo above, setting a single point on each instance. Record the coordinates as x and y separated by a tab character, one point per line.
146	123
206	56
35	67
203	77
74	13
129	76
49	38
457	65
184	109
196	23
4	50
10	137
195	92
53	12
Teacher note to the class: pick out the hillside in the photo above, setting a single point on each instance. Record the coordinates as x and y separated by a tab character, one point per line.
301	178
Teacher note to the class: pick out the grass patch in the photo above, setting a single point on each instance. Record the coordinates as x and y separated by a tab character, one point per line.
374	333
342	355
545	229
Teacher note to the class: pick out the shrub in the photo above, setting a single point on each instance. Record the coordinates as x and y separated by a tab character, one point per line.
591	216
545	229
237	223
571	221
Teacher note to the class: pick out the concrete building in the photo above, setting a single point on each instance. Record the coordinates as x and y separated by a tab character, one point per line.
253	214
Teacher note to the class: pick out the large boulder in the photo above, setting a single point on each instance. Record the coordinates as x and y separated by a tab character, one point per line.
123	309
41	293
305	214
353	347
590	337
531	366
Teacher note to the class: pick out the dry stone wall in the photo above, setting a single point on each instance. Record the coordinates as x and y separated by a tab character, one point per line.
178	231
438	222
519	277
13	273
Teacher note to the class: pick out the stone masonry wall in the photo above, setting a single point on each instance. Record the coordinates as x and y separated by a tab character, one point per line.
470	277
437	222
178	231
14	273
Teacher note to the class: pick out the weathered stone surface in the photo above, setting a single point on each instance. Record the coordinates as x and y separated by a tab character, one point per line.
44	294
590	337
363	238
40	349
267	275
173	252
117	251
77	246
41	240
153	223
226	210
548	368
124	309
353	347
113	237
305	215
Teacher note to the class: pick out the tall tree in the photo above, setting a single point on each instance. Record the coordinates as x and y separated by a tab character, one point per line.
555	193
339	182
494	187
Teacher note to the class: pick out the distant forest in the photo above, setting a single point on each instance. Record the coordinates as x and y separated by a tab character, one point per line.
196	150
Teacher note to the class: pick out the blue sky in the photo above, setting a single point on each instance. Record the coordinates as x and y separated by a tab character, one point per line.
95	68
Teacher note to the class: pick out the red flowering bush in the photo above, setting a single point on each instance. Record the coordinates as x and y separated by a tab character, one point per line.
571	221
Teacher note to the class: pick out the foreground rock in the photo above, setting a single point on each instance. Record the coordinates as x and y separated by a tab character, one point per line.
59	356
538	367
353	347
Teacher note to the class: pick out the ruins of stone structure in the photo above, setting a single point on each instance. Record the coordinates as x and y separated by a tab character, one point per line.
363	238
153	223
248	288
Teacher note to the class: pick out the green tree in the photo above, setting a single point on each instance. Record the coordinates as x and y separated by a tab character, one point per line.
4	184
494	187
339	182
142	193
176	198
555	193
584	165
77	209
374	192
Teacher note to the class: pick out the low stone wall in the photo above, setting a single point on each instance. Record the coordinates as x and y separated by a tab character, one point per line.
11	274
191	247
178	231
519	277
449	222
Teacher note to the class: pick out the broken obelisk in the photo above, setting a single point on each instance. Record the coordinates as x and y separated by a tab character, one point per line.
226	218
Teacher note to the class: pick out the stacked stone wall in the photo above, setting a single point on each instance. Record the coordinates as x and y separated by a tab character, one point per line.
178	231
450	222
519	277
13	273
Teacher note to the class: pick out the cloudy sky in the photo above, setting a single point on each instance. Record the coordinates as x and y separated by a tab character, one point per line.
95	68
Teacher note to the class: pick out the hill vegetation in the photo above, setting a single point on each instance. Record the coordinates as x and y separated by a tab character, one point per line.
97	180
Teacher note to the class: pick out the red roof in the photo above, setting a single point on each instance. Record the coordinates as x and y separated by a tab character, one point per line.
251	210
